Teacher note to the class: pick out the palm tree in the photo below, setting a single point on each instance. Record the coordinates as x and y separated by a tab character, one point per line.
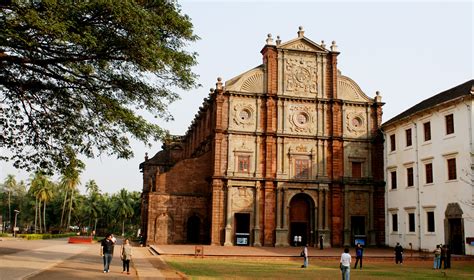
35	185
69	182
9	185
92	207
45	194
123	206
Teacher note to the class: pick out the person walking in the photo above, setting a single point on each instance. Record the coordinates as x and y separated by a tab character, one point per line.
345	264
437	257
359	254
398	253
304	254
107	251
126	256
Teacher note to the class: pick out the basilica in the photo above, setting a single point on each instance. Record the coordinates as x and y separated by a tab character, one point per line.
288	151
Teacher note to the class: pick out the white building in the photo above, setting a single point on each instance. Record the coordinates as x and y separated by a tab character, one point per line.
429	164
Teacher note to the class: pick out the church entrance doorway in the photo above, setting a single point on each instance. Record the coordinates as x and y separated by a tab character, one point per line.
193	226
242	229
358	230
300	220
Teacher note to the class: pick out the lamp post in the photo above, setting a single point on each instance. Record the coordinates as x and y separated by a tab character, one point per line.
14	227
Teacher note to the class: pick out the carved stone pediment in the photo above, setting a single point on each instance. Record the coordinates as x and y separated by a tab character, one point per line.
303	44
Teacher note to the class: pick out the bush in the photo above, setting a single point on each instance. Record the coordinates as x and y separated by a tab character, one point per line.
5	235
45	236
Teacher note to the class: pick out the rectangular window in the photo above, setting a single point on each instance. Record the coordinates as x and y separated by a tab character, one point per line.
410	176
408	137
452	169
449	124
244	163
393	179
392	143
427	131
302	168
411	222
356	169
430	221
394	222
429	173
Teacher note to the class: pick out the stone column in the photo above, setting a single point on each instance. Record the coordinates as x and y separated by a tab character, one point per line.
371	218
256	226
228	226
347	231
282	229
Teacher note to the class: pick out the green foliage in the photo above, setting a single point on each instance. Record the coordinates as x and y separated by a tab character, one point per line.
74	73
41	207
45	236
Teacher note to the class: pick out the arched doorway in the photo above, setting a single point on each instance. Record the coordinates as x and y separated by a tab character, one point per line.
193	226
301	218
454	228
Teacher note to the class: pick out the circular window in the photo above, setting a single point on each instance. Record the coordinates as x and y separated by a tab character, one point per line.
356	122
244	114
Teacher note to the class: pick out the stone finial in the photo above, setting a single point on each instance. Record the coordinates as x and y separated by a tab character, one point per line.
146	156
219	83
333	46
269	40
323	45
300	32
211	90
278	41
378	98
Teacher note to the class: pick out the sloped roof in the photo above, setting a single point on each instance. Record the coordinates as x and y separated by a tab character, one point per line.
448	95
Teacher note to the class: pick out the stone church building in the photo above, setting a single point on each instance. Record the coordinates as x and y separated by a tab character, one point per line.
289	148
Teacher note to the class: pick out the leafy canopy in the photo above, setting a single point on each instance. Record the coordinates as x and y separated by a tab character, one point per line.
74	74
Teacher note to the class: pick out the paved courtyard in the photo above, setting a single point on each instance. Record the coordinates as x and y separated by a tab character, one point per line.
56	259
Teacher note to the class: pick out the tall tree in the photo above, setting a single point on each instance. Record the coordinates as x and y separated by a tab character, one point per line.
70	179
74	73
9	185
123	206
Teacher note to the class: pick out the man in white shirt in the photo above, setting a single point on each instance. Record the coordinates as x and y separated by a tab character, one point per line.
346	264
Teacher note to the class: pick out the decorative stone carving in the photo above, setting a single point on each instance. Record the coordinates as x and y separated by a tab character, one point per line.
301	75
243	114
355	123
243	148
301	148
242	198
301	119
253	83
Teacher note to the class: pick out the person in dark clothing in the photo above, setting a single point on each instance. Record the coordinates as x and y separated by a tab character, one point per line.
321	241
107	251
398	253
359	254
448	257
443	257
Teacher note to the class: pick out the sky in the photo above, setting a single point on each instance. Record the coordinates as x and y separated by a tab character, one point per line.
408	51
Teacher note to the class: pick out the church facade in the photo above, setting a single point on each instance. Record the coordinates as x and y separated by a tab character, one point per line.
291	148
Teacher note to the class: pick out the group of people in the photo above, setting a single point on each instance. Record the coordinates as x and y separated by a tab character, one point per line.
345	262
107	252
442	256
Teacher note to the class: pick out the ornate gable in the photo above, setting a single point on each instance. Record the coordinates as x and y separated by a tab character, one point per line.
303	44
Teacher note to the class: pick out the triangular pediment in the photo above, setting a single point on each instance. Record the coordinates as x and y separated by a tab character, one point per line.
303	44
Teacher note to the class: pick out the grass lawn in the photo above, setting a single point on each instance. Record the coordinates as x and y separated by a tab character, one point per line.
212	268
